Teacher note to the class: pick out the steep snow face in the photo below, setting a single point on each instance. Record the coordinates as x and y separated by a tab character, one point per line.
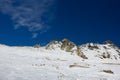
53	63
53	45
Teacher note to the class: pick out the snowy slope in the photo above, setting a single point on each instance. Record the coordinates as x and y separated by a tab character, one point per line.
29	63
102	51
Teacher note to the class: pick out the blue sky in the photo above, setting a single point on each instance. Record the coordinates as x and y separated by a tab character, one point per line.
28	22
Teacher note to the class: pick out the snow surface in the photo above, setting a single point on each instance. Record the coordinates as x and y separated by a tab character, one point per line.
28	63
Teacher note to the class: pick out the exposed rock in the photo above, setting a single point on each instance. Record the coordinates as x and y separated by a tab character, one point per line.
110	43
37	46
108	71
92	46
67	45
105	55
80	53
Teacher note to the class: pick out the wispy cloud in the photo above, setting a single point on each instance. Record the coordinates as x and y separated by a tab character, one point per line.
34	35
32	14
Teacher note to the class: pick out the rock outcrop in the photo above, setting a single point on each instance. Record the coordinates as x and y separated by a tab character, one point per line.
68	46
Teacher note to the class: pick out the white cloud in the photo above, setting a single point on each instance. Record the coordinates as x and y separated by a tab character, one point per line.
32	14
34	35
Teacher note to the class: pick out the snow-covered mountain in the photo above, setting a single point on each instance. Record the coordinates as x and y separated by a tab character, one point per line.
107	50
60	60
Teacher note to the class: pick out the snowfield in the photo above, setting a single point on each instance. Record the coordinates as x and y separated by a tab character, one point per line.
29	63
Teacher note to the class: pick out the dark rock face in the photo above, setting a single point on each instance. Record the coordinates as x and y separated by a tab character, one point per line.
110	43
105	55
93	46
80	53
67	45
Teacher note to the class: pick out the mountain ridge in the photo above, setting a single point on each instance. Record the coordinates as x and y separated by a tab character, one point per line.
69	46
107	50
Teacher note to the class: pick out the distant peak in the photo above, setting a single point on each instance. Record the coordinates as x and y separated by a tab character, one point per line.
65	39
64	44
67	45
108	42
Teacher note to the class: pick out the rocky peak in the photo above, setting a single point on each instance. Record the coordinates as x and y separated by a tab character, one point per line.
67	45
110	43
